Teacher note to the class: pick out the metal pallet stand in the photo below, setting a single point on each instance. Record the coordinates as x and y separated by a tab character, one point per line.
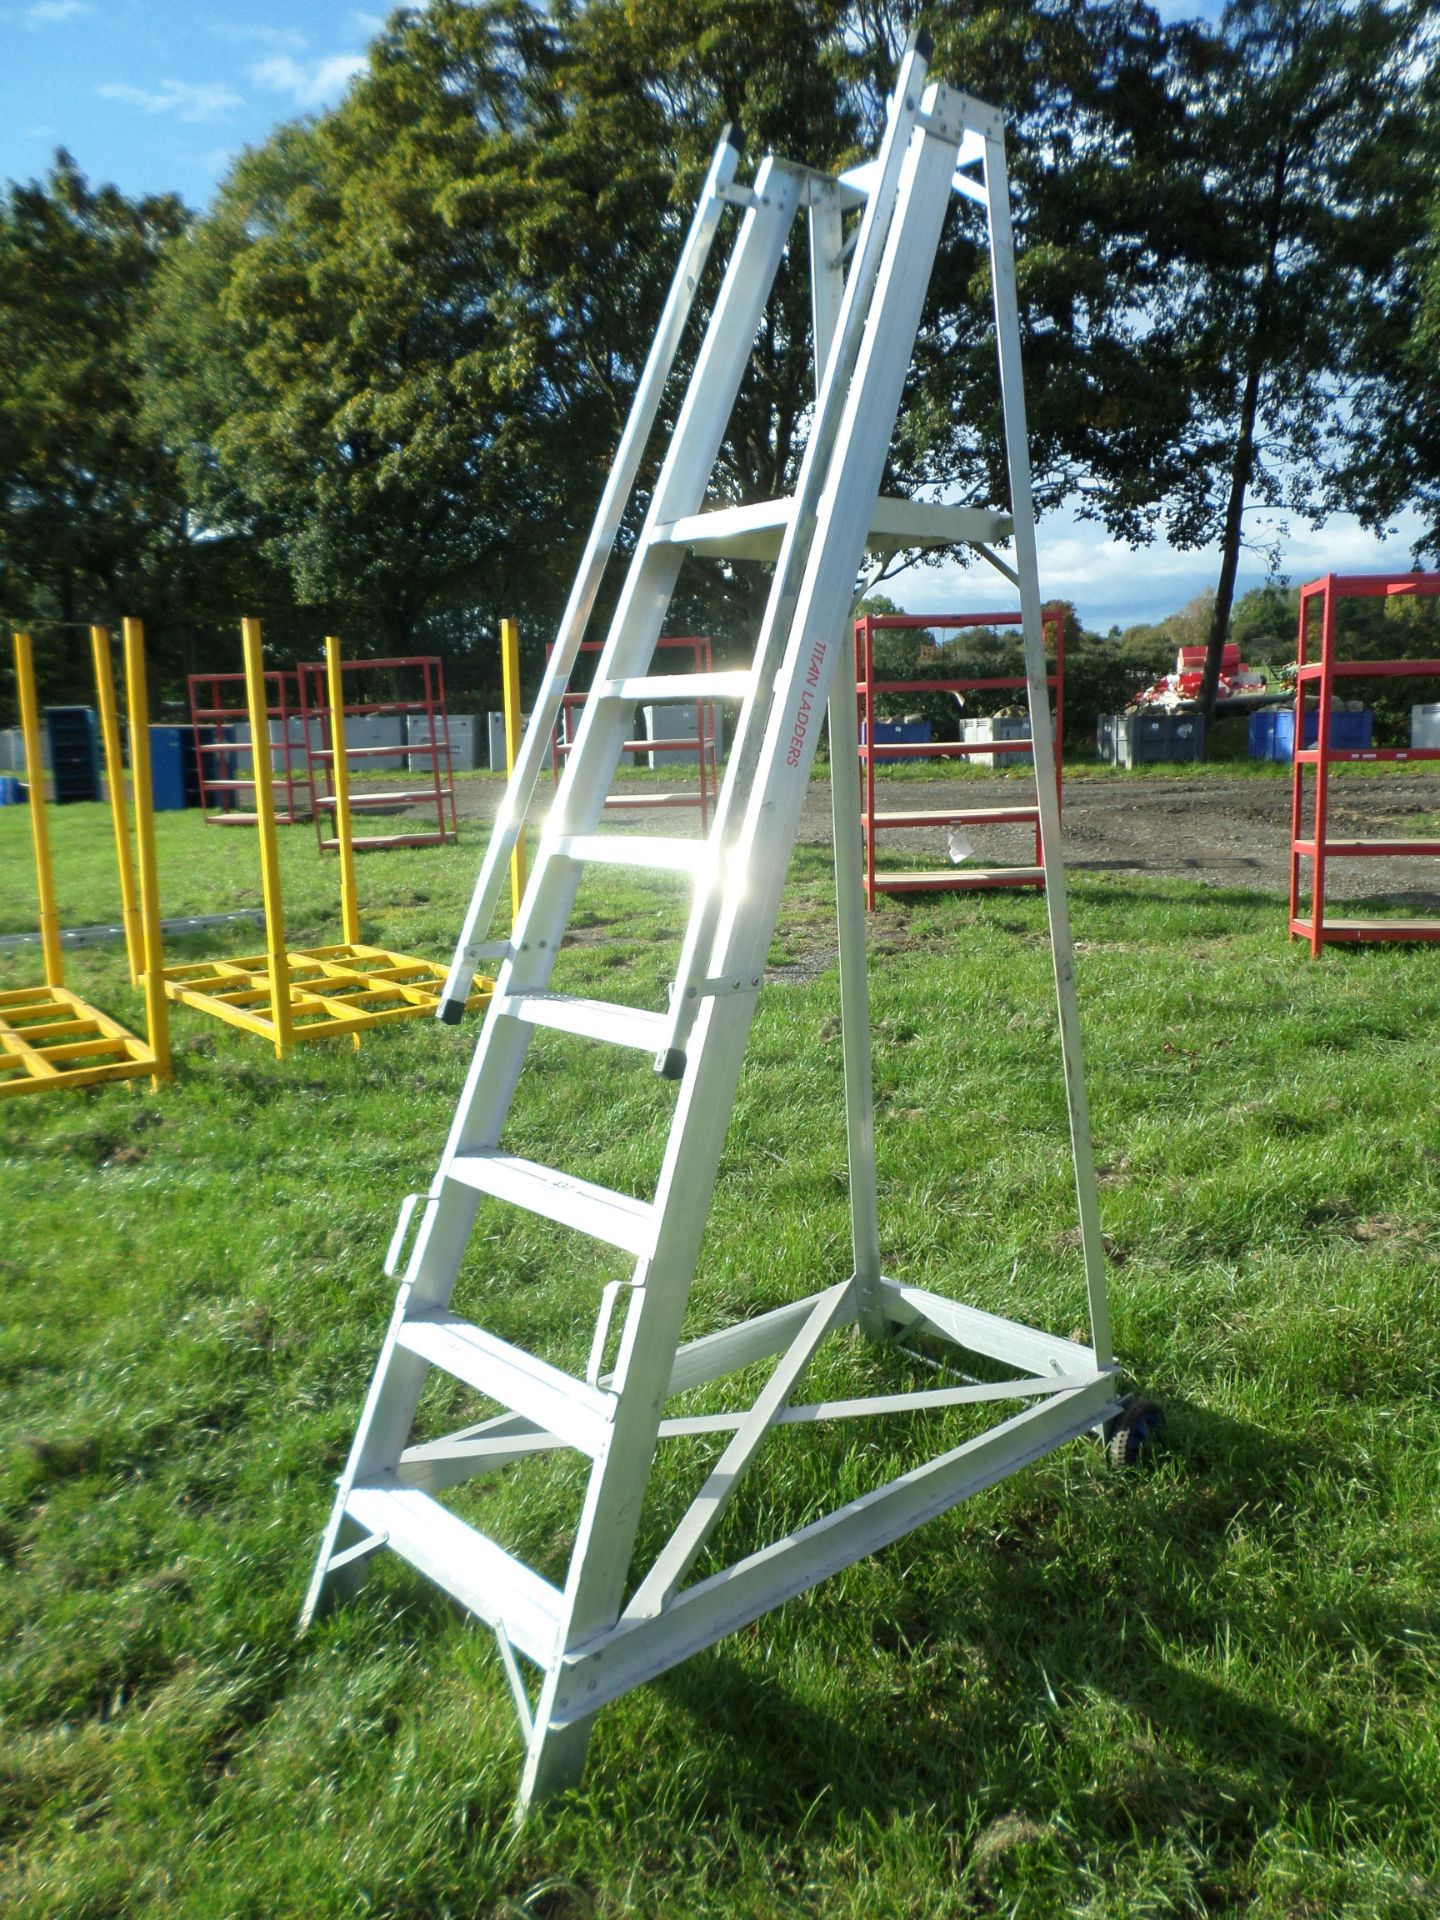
324	746
1314	699
606	1625
51	1039
289	994
701	742
873	822
217	720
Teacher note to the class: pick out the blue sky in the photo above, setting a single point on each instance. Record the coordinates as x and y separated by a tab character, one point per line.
158	96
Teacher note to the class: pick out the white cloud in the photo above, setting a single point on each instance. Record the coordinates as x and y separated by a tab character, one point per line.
1113	583
177	99
49	13
309	83
280	39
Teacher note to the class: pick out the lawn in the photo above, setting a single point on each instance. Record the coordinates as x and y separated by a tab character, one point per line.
1204	1687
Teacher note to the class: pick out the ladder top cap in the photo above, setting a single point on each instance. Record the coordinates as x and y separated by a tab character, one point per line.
734	137
923	44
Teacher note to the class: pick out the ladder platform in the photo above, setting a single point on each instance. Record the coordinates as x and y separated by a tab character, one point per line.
615	1218
648	850
483	1577
754	532
575	1412
591	1019
641	687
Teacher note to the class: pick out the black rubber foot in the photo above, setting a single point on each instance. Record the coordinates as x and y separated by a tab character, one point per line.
452	1012
1133	1432
672	1067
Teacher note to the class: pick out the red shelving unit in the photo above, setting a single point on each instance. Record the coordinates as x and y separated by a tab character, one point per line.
1314	693
701	742
873	822
427	697
215	716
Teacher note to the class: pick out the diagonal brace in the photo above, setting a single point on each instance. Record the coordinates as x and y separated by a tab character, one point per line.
682	1549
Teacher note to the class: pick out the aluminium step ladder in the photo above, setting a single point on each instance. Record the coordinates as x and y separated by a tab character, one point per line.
600	1631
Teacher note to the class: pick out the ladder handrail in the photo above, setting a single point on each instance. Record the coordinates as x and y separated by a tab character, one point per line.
515	803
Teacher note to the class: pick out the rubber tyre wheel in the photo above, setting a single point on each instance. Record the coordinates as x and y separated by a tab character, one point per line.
1133	1432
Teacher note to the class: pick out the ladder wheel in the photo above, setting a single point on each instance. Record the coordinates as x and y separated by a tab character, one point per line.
1131	1435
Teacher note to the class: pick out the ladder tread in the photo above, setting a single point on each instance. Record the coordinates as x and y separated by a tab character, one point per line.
556	1401
665	854
754	531
608	1020
605	1215
731	684
472	1569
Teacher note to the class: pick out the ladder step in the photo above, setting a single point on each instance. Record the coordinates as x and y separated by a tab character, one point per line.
614	1218
636	688
590	1019
754	531
634	850
556	1401
492	1583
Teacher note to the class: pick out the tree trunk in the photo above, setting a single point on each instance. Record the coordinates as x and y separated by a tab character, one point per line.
1241	469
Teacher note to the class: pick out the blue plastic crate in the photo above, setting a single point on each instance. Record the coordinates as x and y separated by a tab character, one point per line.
898	733
1349	732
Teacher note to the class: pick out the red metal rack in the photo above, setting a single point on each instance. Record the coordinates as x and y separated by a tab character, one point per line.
439	788
872	823
1317	679
215	720
701	743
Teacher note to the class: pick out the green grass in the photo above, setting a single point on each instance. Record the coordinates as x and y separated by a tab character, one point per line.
1203	1688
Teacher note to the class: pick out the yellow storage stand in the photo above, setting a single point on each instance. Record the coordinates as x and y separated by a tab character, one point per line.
286	995
49	1037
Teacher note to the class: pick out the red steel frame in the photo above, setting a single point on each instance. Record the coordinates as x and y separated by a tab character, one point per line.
1319	677
871	750
315	705
701	743
283	702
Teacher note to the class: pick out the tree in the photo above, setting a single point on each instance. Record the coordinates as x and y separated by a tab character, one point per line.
1302	133
92	513
1399	451
350	370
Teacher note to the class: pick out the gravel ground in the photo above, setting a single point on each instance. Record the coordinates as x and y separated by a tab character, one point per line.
1221	832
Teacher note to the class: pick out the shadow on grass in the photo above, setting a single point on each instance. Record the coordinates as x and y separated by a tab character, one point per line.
1149	1635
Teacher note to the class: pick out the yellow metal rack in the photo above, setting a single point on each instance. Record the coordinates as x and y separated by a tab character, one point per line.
286	994
49	1037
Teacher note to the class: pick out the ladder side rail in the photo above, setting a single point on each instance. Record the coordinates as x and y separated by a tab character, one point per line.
590	767
818	634
827	289
1047	797
838	371
515	803
680	489
605	1536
